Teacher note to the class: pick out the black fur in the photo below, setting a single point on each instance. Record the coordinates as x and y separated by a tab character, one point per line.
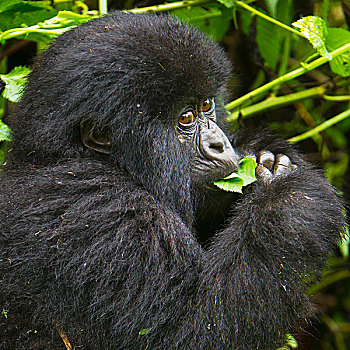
104	247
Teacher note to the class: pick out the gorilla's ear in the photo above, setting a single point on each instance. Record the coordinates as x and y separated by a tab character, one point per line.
98	140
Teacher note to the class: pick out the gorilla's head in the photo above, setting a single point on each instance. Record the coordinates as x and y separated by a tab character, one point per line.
143	91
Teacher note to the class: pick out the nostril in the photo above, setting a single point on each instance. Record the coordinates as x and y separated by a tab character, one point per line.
217	146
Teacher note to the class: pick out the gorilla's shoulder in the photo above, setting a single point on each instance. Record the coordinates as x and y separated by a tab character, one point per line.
91	184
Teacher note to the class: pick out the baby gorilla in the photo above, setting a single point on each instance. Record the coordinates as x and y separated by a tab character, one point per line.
111	233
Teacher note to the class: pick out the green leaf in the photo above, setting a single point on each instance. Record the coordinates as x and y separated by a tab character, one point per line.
196	13
243	176
74	18
344	245
4	5
16	13
4	312
336	38
5	132
144	331
325	9
246	19
246	170
284	12
234	184
227	3
291	341
315	30
4	147
15	81
269	45
213	20
45	31
271	6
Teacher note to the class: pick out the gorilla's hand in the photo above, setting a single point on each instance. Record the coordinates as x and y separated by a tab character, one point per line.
271	166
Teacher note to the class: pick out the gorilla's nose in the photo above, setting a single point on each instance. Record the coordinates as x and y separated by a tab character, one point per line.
216	146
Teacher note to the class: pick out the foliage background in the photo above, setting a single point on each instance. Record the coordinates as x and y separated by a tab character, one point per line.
311	108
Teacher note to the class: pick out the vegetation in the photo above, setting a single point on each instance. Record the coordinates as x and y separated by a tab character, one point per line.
292	60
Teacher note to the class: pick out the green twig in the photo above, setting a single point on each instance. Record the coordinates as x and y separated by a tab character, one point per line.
268	18
103	7
286	77
337	98
54	26
275	102
83	6
335	329
327	281
171	6
330	122
285	56
13	33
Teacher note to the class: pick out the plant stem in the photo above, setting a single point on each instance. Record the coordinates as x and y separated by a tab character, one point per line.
286	77
12	33
328	123
168	7
103	7
83	6
335	329
268	18
328	280
285	56
337	98
276	102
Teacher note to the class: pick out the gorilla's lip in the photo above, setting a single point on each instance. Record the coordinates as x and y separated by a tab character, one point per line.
225	174
211	186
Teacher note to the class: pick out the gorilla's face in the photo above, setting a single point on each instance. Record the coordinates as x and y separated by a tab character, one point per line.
195	124
212	154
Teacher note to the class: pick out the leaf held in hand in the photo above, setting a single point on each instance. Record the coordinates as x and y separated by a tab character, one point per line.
243	176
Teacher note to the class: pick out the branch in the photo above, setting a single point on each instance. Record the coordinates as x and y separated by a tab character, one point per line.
286	77
103	7
168	7
328	280
268	18
338	118
276	102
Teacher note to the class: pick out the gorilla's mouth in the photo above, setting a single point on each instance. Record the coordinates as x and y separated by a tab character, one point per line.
212	187
205	172
210	184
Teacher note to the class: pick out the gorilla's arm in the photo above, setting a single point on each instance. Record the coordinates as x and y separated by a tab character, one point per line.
136	266
102	259
278	238
247	290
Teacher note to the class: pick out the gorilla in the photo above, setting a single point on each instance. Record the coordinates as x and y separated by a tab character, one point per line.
112	234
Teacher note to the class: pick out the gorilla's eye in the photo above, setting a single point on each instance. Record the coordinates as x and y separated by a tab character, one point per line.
187	118
207	104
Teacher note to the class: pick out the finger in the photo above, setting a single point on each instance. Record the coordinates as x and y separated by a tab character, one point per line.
263	173
283	165
267	159
282	159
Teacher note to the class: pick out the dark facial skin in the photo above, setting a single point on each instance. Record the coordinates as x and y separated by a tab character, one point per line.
212	154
